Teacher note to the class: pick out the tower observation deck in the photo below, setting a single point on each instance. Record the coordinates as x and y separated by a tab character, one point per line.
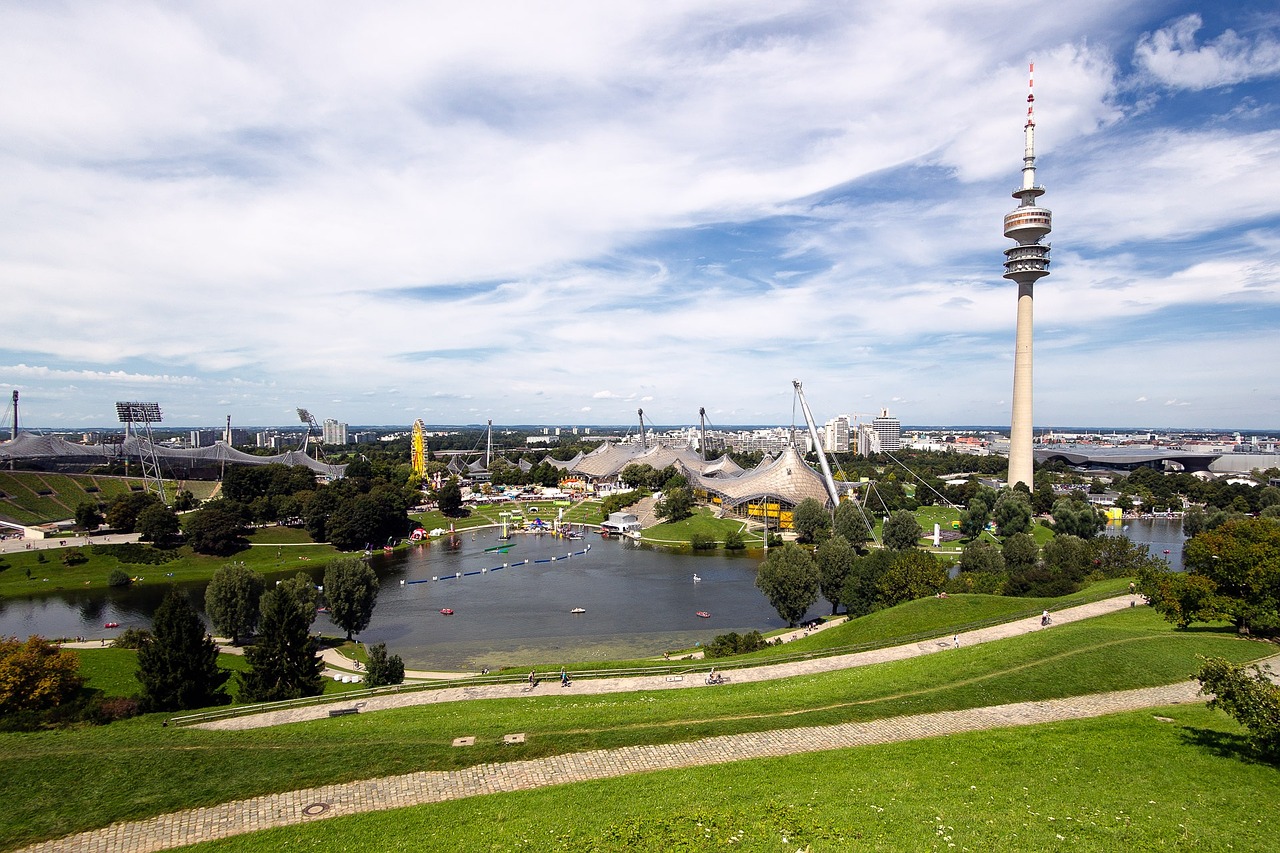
1025	264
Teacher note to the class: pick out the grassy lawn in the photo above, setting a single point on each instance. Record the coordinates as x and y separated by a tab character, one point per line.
483	515
702	521
48	572
59	782
1126	782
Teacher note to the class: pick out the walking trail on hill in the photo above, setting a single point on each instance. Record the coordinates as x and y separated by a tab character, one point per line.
411	789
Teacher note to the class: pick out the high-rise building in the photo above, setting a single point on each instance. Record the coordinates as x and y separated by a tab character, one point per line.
334	432
1024	264
888	430
836	439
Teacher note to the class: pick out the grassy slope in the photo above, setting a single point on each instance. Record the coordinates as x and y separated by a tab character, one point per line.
60	782
1127	782
188	567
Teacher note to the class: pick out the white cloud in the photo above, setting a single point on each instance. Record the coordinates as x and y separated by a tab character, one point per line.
1172	56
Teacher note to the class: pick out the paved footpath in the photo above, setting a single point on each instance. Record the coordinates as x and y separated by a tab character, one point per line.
411	789
689	679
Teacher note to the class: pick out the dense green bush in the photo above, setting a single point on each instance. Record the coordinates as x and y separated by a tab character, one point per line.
702	541
136	554
118	577
734	541
733	643
74	557
132	638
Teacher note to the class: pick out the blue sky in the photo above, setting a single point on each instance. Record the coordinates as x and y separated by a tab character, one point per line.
560	213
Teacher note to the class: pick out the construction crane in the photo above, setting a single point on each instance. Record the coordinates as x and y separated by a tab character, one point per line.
827	478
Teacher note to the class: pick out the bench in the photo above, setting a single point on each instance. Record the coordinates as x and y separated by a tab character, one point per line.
342	712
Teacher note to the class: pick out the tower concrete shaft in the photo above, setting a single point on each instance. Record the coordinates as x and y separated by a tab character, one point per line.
1024	264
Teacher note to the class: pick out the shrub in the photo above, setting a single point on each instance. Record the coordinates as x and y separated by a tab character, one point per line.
136	554
118	577
74	557
702	541
733	643
116	708
132	638
734	541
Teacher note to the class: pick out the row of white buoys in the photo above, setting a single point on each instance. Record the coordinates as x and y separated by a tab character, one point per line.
348	679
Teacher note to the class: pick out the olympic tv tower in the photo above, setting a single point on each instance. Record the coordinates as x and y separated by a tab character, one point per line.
1025	263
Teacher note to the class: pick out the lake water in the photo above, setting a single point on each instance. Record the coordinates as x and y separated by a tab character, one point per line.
638	601
1158	534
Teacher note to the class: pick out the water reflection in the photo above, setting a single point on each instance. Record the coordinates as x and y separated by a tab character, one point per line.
637	601
1162	537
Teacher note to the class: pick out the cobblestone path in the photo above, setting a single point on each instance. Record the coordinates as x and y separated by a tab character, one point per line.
301	806
309	804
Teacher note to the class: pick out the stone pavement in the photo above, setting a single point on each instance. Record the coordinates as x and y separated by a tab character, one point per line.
412	789
673	679
301	806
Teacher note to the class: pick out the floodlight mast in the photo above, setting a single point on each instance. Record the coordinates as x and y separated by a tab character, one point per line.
133	413
306	417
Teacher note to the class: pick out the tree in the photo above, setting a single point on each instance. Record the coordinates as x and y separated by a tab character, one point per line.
974	519
1012	513
902	531
810	520
789	579
178	664
215	529
1020	551
36	675
734	540
835	559
383	669
913	574
1248	696
231	600
87	515
1077	517
351	588
1242	558
981	556
676	504
449	498
157	523
1069	555
861	593
301	589
283	663
1180	597
123	511
851	523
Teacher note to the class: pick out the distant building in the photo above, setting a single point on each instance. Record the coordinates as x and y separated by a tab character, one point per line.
837	435
888	430
334	432
203	437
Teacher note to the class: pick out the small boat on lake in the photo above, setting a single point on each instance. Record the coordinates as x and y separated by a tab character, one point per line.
703	614
111	625
578	610
446	611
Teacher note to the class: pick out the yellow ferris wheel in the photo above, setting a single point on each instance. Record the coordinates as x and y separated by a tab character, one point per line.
419	449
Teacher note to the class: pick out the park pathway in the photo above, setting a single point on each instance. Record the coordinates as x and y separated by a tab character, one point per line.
670	680
412	789
303	806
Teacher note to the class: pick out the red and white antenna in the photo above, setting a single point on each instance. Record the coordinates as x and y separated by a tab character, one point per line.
1031	95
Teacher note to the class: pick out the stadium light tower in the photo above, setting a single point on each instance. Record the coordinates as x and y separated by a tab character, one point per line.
146	414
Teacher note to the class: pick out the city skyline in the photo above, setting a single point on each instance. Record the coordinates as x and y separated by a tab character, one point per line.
558	215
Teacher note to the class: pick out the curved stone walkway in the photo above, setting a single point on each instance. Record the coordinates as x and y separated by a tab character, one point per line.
301	806
672	680
412	789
